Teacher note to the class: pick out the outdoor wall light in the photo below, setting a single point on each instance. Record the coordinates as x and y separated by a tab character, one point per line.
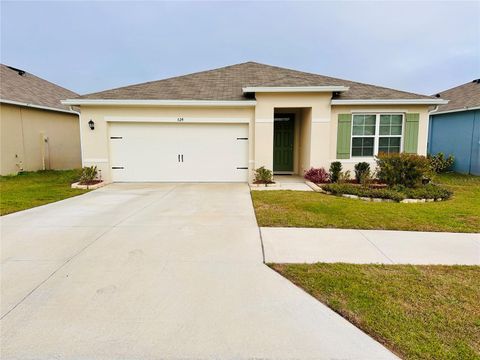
91	124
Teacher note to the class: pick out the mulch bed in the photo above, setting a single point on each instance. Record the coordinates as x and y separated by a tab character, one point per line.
91	182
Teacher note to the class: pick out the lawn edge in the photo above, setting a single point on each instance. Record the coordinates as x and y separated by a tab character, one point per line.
48	203
374	336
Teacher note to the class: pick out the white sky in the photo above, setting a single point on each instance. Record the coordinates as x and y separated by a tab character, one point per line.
422	47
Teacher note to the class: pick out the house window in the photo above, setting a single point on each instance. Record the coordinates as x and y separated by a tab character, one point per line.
374	133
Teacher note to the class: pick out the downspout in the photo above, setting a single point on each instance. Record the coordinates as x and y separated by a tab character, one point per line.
80	129
431	111
429	127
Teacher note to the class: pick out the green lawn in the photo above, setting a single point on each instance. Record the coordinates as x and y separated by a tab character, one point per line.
309	209
31	189
419	312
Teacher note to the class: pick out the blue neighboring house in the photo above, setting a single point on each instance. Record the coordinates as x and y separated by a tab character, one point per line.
455	127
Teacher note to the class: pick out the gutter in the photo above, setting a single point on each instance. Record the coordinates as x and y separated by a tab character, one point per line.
390	102
18	103
454	110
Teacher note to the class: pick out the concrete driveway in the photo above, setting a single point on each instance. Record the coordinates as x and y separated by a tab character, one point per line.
157	271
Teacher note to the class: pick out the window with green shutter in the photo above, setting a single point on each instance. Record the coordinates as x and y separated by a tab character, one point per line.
411	133
370	134
344	133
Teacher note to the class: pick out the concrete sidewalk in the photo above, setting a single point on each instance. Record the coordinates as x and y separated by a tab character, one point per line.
309	245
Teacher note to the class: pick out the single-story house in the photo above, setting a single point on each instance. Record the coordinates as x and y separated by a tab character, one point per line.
37	131
221	124
455	127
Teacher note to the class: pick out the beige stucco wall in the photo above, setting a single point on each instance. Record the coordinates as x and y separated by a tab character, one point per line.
315	131
23	131
305	125
315	115
95	149
348	164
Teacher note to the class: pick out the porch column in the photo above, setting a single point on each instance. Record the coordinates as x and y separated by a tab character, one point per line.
320	136
263	136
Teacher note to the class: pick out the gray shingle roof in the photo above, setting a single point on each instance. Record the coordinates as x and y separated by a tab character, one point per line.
461	97
226	83
28	88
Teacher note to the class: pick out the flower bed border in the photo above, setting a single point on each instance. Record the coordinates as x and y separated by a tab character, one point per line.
317	188
273	184
88	187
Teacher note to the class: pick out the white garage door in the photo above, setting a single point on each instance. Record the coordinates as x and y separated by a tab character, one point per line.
173	152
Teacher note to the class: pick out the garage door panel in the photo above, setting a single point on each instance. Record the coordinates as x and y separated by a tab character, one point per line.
178	152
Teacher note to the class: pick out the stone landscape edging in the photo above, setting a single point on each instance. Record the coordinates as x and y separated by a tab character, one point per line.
317	188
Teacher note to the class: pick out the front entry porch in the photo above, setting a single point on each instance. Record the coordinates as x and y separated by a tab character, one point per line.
291	141
288	182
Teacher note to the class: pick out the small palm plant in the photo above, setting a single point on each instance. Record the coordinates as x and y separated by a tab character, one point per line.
89	174
263	176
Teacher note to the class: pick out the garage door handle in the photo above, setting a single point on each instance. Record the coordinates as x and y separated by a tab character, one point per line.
178	157
182	157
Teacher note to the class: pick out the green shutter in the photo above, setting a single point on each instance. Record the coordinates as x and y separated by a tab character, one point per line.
344	134
410	143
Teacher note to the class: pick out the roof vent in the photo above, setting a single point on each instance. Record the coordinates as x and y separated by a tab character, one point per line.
476	81
19	71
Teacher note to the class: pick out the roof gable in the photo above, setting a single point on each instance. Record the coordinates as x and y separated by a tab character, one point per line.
226	83
20	86
461	97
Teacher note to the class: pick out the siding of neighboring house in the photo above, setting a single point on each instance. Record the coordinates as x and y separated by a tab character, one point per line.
23	131
458	134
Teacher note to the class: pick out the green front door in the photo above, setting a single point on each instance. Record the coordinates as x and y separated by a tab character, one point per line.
283	142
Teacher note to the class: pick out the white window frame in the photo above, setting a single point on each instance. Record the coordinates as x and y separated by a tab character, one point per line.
377	135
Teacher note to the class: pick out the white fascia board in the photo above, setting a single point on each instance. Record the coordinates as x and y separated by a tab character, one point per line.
180	120
11	102
391	102
455	110
229	103
292	89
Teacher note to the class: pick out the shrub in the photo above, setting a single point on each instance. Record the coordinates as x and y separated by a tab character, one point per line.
403	169
428	191
344	176
88	174
335	169
440	163
339	189
317	176
362	171
263	175
397	193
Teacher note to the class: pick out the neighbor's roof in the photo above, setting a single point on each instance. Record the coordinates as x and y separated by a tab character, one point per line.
22	87
461	98
226	83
